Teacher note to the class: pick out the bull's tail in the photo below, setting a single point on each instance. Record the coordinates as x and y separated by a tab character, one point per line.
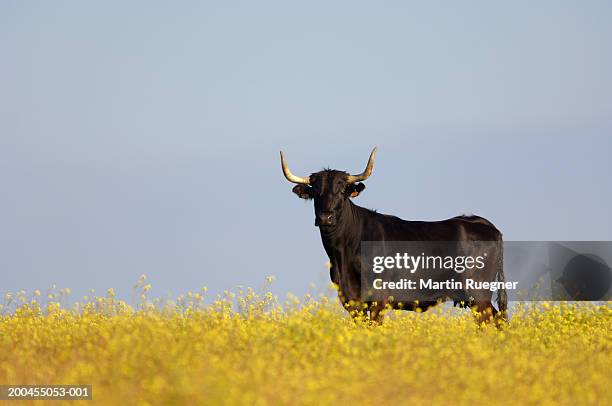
502	296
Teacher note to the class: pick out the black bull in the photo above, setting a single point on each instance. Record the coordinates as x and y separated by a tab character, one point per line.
344	225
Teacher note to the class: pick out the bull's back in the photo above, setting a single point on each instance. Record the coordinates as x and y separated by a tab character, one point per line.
460	228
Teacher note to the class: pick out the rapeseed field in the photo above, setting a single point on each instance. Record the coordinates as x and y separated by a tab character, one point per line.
247	348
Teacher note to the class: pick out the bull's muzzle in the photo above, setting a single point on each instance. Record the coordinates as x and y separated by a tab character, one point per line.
325	219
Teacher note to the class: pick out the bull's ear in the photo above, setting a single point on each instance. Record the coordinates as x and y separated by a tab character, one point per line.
303	191
356	189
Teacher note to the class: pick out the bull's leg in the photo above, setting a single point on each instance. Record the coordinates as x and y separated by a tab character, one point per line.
356	310
484	312
501	319
377	312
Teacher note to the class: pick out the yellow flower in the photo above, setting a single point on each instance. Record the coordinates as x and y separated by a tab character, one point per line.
246	348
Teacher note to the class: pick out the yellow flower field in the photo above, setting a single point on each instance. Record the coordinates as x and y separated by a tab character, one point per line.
250	349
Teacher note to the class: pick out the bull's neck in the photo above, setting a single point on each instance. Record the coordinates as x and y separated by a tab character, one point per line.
346	232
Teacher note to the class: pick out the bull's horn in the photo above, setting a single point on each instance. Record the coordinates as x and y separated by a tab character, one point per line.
368	170
291	177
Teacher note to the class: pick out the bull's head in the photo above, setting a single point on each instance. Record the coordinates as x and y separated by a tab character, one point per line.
330	190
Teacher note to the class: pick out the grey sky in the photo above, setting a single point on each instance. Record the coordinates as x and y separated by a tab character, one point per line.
143	137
